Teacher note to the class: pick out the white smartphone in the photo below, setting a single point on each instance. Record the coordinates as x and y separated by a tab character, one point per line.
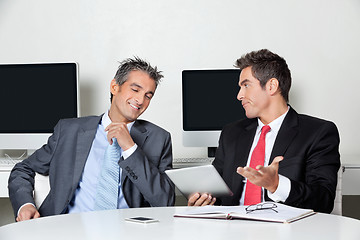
141	219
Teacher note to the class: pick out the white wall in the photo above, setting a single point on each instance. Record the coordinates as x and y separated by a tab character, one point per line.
319	39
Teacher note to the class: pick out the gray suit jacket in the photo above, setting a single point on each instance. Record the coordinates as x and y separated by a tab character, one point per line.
63	158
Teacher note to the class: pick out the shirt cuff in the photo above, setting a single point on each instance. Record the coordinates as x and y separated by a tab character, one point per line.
128	152
24	206
283	190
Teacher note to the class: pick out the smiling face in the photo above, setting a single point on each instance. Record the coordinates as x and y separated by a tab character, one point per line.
254	98
131	98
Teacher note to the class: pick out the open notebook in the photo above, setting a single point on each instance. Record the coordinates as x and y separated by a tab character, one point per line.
281	213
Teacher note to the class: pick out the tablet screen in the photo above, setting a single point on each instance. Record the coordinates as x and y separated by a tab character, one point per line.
201	179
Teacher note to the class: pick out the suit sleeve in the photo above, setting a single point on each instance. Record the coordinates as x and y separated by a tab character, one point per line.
21	180
147	173
218	162
322	163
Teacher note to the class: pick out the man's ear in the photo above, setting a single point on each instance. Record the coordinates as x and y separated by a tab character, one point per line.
114	87
273	86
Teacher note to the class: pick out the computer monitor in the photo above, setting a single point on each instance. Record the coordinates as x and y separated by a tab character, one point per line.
209	102
33	97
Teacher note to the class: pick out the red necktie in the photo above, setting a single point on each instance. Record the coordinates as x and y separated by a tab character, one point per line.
252	191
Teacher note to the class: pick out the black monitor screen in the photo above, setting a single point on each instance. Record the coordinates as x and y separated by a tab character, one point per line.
33	97
209	99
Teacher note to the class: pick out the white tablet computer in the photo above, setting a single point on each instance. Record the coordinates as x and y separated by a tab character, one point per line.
202	179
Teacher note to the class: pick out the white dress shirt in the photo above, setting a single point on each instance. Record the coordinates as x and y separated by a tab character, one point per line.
284	187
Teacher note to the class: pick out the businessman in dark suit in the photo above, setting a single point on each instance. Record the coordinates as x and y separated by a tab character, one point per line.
74	154
301	152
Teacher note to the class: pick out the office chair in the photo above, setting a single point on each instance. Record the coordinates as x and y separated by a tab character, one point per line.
41	189
338	198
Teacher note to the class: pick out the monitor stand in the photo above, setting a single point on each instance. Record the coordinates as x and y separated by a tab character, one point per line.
211	152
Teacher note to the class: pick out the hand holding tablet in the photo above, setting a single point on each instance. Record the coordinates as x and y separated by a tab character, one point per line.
201	179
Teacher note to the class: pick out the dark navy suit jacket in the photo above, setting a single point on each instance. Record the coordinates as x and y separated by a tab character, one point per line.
311	159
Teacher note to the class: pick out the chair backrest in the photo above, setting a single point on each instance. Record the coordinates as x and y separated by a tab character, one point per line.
41	189
338	198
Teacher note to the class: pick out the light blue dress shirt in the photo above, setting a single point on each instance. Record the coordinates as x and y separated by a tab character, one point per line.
85	193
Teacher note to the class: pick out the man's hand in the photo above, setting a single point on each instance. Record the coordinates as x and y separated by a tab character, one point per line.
266	177
201	200
121	133
27	212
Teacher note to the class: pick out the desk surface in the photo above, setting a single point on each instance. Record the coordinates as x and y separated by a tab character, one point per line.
111	225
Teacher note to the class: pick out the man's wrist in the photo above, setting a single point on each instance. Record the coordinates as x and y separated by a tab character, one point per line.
283	190
273	188
25	204
129	151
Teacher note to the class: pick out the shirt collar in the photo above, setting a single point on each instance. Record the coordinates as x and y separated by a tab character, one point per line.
105	121
275	124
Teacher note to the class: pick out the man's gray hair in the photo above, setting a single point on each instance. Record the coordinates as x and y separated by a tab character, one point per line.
130	64
136	64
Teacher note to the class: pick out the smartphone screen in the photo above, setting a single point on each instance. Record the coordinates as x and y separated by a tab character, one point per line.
141	219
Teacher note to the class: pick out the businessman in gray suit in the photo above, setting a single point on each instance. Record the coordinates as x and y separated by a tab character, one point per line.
73	155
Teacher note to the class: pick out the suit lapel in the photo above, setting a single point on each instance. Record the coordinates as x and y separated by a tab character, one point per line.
139	134
243	143
83	146
288	130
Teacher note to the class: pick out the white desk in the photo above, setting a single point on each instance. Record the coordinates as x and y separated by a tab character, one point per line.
111	225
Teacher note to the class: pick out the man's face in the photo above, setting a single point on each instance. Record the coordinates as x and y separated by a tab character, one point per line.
254	98
131	98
